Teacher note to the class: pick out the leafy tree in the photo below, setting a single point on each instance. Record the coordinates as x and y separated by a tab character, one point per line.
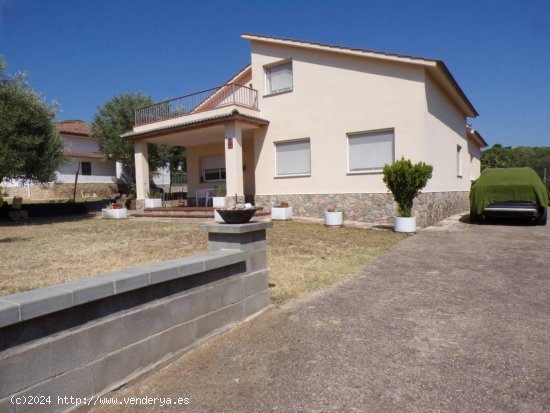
30	146
498	157
116	117
405	181
537	158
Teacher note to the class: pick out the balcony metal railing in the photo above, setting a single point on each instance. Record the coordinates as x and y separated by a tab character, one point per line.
229	94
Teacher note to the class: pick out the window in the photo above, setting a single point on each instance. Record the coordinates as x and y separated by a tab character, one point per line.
370	151
278	78
458	161
86	168
293	158
213	168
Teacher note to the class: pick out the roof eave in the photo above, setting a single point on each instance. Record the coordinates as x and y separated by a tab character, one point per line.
476	137
430	64
233	115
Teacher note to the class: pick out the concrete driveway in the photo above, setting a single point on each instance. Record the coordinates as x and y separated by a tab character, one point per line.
455	318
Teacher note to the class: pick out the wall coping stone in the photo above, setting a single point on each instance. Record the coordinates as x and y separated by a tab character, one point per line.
222	228
23	306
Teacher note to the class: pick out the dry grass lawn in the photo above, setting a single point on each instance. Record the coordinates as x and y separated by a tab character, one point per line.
301	257
307	257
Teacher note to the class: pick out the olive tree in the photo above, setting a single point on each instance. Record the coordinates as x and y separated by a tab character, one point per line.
30	146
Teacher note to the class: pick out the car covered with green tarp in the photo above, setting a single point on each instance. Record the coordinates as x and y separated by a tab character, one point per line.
508	192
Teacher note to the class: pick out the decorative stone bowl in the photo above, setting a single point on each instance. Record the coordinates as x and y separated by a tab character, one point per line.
236	216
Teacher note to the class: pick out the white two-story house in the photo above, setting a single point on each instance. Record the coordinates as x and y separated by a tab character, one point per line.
314	124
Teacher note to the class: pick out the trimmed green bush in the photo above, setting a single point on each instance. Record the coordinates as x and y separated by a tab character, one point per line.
405	181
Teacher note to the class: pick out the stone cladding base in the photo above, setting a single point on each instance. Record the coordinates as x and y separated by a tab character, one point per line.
429	207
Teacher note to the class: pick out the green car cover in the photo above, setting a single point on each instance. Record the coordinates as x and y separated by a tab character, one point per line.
507	184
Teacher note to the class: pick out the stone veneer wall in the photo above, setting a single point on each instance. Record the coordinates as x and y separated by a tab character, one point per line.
55	190
429	207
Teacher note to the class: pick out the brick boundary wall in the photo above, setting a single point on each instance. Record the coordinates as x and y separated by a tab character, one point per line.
87	337
429	207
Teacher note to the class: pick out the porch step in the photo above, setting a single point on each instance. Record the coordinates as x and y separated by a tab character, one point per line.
183	212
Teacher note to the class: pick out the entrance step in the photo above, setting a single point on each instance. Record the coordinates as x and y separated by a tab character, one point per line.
184	212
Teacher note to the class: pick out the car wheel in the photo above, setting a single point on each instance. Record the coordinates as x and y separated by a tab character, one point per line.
542	219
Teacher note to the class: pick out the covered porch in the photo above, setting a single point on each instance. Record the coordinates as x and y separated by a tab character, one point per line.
220	146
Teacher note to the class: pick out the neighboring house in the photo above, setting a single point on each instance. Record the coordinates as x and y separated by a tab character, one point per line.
97	175
314	124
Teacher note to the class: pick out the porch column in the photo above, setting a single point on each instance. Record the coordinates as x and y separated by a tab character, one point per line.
142	169
234	159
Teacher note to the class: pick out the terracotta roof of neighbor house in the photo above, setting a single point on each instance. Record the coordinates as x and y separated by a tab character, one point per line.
95	155
438	68
74	127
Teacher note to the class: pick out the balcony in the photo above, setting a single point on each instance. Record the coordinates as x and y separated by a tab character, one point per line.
226	95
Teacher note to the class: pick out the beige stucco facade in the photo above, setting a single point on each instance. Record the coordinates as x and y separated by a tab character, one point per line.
336	93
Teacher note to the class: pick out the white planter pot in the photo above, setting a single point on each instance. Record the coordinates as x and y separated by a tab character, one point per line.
281	213
405	224
218	202
114	213
334	219
153	203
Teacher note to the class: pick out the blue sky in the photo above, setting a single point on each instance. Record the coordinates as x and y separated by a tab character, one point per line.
83	52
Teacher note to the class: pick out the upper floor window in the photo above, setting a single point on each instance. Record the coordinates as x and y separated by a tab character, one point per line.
278	78
370	151
293	158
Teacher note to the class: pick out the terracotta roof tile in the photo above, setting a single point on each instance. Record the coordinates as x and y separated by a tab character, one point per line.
95	155
74	127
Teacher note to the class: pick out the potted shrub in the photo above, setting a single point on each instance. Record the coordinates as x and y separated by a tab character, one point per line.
334	217
405	181
114	211
282	211
218	196
218	201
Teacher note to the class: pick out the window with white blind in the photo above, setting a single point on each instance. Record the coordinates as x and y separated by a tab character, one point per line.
293	158
370	151
213	168
278	78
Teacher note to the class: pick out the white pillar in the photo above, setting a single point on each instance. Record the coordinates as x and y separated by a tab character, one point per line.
142	169
234	159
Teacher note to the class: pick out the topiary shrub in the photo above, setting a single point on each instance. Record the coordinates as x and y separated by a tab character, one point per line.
405	181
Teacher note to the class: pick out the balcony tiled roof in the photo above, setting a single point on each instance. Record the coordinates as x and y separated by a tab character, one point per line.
74	127
203	121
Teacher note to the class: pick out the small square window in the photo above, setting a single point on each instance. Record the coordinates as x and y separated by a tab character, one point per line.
86	168
278	78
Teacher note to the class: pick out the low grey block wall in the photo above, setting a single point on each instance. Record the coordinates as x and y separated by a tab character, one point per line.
84	338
